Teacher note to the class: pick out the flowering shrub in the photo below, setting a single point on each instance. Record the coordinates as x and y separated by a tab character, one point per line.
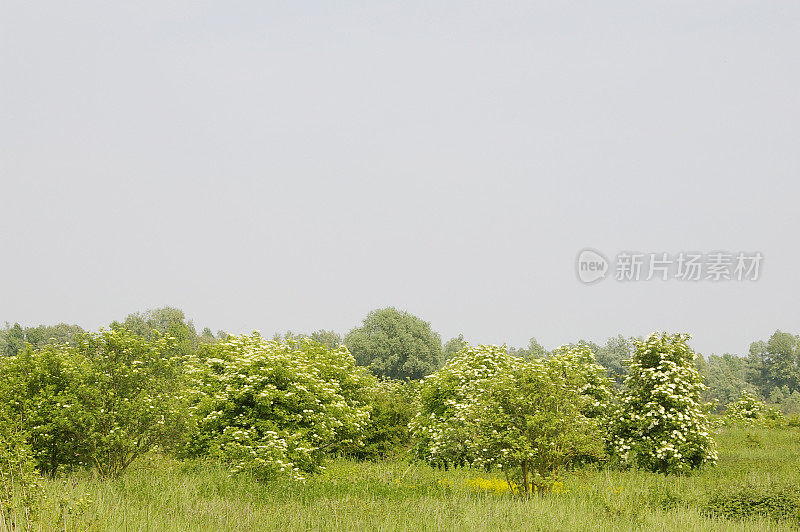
274	408
100	401
442	430
528	418
579	367
749	410
661	424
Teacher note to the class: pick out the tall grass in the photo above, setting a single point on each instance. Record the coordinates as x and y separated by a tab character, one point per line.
162	494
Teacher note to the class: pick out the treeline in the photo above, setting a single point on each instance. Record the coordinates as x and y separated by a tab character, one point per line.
278	408
399	345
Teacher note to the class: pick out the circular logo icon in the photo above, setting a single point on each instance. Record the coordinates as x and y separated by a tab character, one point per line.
591	266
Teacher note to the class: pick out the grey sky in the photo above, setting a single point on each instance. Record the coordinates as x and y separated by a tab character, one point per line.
294	165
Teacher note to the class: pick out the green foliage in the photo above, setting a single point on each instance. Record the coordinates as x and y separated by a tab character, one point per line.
330	339
103	400
749	410
164	322
726	377
395	344
579	365
534	350
13	338
775	363
614	356
453	346
393	405
206	337
661	424
274	408
442	436
531	422
20	483
530	418
779	501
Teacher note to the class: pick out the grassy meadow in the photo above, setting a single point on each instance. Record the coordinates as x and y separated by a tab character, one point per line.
755	486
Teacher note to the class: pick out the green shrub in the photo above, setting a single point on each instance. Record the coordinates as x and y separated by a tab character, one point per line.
776	501
392	406
529	418
20	484
530	421
101	401
276	408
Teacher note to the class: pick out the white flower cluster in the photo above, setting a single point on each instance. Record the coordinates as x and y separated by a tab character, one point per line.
661	424
272	407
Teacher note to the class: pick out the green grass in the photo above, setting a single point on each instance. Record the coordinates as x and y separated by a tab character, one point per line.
756	464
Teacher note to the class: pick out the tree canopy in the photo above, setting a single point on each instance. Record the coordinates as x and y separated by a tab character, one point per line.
393	343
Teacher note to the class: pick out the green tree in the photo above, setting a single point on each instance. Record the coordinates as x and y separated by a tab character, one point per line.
453	346
206	337
726	378
163	322
613	356
51	334
775	363
661	425
533	350
529	418
329	339
530	422
395	344
392	405
14	339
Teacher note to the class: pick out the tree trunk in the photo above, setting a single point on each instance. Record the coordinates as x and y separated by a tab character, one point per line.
525	478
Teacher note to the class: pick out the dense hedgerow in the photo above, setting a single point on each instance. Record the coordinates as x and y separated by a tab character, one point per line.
101	401
661	425
276	408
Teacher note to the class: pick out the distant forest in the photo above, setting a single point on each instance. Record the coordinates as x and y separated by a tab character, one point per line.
409	349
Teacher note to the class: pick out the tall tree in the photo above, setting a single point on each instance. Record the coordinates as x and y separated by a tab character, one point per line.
14	339
453	346
162	322
726	378
775	363
533	350
329	339
613	356
396	344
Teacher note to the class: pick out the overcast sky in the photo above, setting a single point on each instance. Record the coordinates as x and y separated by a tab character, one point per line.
294	165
